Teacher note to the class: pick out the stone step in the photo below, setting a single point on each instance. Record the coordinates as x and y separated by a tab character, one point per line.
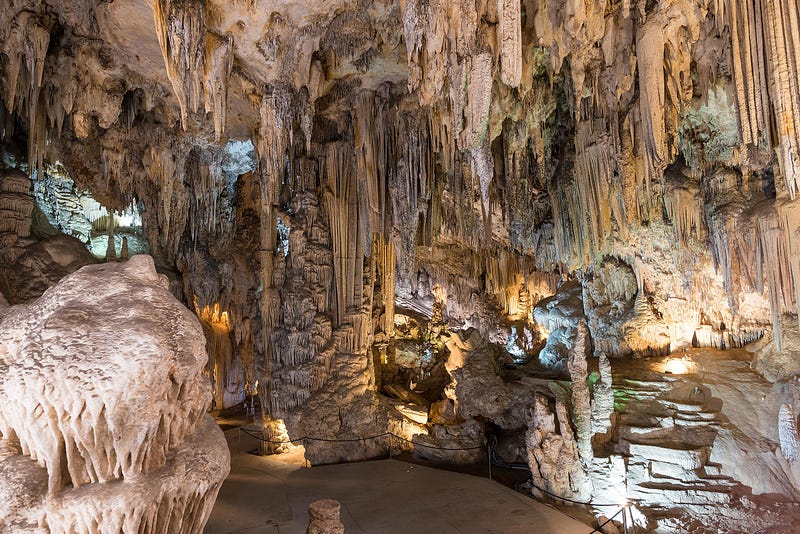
671	494
713	472
712	469
636	395
695	423
659	385
640	430
696	416
672	453
683	406
659	471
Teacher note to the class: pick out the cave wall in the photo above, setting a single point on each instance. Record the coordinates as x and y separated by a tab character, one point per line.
302	170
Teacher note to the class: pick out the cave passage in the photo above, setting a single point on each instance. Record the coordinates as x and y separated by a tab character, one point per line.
560	240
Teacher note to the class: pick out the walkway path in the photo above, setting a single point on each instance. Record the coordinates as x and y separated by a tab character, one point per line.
272	494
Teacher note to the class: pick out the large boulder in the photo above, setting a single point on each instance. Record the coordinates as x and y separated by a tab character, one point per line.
101	381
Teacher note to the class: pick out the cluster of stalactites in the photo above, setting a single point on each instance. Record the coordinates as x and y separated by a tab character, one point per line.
765	60
342	208
765	55
165	167
198	61
207	182
396	156
26	46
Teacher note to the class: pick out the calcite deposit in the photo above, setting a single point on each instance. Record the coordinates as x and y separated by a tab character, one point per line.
103	401
450	220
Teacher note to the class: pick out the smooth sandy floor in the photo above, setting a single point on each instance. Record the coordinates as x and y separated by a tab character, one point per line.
272	494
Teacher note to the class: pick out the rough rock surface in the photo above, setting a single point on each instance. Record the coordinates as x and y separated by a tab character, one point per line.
29	262
304	167
101	436
323	517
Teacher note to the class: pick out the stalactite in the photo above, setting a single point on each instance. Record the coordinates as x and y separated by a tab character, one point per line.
370	138
582	210
479	99
503	279
650	61
483	165
163	169
386	260
26	44
217	65
683	205
207	188
117	171
181	31
510	38
775	267
341	205
783	33
749	72
787	432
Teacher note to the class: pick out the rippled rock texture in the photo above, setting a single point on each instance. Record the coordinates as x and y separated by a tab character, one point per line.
615	179
103	422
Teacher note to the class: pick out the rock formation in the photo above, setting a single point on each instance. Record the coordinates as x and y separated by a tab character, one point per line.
479	208
73	456
323	517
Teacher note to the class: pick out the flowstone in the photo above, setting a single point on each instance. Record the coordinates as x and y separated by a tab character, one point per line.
109	436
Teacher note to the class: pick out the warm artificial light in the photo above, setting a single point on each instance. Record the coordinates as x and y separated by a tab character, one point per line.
213	315
678	366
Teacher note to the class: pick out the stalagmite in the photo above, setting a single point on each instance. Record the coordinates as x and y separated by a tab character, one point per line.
323	517
552	454
124	254
580	398
448	202
66	406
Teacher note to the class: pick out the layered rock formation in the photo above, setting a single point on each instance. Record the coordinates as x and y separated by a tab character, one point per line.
301	169
33	256
98	436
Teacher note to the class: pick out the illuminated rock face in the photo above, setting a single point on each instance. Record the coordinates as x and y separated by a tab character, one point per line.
615	179
100	436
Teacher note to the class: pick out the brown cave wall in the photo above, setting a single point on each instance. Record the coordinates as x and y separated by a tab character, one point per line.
464	156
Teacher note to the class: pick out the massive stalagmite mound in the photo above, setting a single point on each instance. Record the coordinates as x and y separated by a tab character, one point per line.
103	401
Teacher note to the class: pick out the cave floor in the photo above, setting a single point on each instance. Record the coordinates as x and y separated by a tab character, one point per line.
272	494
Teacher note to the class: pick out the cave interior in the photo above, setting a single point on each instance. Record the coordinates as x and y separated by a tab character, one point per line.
560	236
